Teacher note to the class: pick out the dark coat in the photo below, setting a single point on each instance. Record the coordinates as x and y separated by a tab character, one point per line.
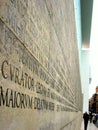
86	116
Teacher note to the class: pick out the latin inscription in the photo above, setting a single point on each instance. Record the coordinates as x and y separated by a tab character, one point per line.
38	87
14	99
11	98
25	27
14	74
48	85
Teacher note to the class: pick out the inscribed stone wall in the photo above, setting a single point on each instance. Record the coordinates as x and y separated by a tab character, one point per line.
39	72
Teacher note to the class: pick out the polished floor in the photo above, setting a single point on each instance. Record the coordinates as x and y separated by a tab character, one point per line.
91	126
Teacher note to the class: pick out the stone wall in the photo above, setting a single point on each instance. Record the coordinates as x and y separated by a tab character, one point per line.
40	85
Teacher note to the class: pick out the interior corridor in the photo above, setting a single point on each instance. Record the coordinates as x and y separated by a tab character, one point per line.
91	126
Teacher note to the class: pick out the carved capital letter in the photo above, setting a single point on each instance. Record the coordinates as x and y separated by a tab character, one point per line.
2	69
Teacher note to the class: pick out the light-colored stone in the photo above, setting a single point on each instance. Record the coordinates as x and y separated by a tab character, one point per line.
40	85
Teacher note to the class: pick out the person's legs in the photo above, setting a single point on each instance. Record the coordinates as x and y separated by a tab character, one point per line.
85	125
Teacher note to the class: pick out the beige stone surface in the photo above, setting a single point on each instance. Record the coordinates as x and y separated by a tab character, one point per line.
40	85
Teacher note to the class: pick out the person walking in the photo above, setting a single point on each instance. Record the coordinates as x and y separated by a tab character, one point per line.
86	119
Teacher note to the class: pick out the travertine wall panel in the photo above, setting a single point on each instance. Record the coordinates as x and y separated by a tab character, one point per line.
40	85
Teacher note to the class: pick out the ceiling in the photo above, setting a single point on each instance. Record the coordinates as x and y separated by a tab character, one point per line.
86	18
